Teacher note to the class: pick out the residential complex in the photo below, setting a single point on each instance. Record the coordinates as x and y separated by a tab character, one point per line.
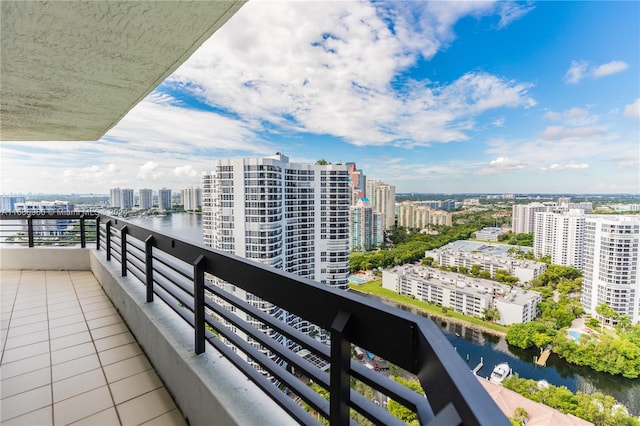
523	216
489	233
164	199
191	198
490	257
413	215
463	294
9	203
366	226
560	236
145	199
611	273
121	198
383	200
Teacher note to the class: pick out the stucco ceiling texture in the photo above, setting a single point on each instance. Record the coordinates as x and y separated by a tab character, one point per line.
70	70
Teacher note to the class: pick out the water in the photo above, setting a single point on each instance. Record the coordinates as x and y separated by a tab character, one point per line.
469	343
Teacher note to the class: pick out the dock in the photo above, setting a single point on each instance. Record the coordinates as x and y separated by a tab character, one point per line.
544	355
478	367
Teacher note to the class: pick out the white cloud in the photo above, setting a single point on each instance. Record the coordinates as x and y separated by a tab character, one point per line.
501	165
573	117
610	68
185	171
332	72
150	170
512	11
571	165
91	174
578	70
499	122
633	110
559	132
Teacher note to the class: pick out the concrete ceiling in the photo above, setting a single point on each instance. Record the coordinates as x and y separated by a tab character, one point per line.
70	70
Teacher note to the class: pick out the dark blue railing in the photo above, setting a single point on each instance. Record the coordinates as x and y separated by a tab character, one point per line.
178	273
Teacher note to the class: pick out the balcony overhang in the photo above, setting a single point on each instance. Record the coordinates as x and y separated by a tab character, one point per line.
71	70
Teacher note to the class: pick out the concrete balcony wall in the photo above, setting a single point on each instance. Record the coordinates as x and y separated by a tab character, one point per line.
207	388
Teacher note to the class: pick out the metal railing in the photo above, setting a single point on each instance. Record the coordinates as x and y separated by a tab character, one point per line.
174	271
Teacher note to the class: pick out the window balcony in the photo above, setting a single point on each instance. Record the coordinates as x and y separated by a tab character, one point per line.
156	285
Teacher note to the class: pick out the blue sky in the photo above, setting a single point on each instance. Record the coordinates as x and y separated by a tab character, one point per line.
429	96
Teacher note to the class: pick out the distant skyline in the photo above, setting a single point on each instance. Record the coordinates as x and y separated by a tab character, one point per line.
432	97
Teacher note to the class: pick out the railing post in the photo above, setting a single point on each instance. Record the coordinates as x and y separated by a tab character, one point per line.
148	259
97	232
339	376
83	241
108	236
123	250
198	303
30	230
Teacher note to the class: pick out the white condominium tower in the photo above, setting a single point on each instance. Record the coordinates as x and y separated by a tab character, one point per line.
164	199
382	197
522	219
192	198
561	236
146	199
611	274
121	198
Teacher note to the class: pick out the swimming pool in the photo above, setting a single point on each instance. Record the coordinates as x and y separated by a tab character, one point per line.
575	335
356	280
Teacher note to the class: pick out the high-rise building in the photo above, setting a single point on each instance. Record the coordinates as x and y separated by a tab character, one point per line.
115	198
192	198
611	272
145	199
126	199
164	199
561	236
382	197
413	215
289	216
523	217
357	182
9	203
366	230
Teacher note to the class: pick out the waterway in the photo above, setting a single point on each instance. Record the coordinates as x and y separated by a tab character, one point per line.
471	344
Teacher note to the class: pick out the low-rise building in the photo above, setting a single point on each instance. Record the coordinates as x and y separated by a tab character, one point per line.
518	306
490	233
490	257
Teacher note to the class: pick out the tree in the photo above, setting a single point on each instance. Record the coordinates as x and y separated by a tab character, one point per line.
428	261
322	162
606	312
475	269
520	415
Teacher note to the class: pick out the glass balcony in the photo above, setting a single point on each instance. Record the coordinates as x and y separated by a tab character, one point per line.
157	287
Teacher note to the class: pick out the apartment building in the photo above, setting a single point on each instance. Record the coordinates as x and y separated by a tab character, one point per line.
191	198
414	215
164	199
490	257
366	229
382	197
523	216
121	198
561	236
145	199
518	306
611	273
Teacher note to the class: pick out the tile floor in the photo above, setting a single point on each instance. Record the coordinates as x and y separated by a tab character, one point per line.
68	358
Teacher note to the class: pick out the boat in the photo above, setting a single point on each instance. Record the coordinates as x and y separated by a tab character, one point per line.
500	372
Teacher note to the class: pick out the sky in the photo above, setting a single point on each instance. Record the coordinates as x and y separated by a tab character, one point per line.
432	97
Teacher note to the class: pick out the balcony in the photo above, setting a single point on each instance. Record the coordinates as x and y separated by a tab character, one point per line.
156	284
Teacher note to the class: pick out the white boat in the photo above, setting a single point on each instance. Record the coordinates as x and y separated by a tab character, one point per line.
500	372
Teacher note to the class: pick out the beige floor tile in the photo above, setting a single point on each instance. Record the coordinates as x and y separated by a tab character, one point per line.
41	417
88	293
106	303
25	402
31	319
38	302
118	354
103	418
26	329
15	368
172	418
126	368
23	352
26	339
71	319
65	313
60	298
66	330
107	312
70	340
73	352
134	386
78	384
110	330
98	297
114	341
81	406
52	307
74	367
25	382
21	313
104	321
145	407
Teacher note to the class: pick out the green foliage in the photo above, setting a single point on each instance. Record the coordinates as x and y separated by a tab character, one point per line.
600	409
428	261
556	273
525	240
399	410
534	333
